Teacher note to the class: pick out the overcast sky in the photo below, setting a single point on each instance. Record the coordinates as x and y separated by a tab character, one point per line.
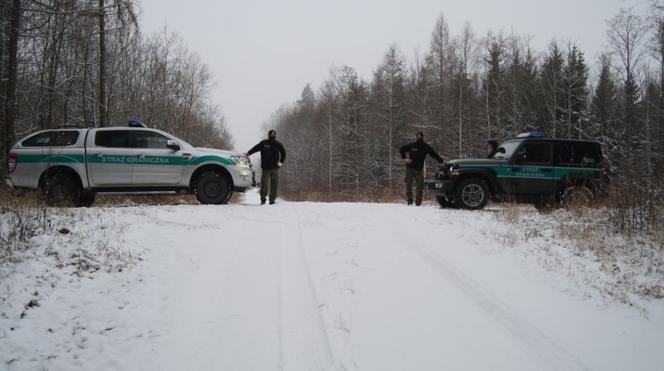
263	52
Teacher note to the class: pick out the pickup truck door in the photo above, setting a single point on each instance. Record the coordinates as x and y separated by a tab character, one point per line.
156	164
109	158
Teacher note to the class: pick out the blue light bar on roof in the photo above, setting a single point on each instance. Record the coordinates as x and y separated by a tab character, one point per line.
532	134
135	123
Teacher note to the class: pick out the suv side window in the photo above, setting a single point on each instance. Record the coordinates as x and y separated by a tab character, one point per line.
52	139
112	138
534	153
577	154
148	139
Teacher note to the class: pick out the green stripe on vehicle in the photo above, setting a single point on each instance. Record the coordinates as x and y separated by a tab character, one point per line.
119	159
155	160
200	160
77	159
136	160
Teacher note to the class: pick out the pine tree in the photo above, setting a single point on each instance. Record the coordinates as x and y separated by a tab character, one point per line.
551	83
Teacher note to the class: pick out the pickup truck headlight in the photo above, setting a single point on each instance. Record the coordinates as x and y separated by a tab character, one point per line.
241	159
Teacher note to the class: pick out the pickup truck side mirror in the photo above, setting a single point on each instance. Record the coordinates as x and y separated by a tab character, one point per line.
173	145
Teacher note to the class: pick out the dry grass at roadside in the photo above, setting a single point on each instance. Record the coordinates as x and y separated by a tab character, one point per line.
626	267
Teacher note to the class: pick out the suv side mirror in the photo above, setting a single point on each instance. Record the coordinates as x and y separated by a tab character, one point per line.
173	145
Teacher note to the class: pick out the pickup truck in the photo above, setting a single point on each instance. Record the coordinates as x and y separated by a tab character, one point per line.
71	165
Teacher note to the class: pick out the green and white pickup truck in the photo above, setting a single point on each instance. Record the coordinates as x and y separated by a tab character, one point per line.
70	166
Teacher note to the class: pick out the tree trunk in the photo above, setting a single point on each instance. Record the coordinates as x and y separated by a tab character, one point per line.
102	65
10	77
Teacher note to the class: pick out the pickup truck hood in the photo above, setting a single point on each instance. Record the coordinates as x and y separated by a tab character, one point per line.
219	152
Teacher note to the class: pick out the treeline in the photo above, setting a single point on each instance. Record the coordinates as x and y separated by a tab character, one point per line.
86	63
343	138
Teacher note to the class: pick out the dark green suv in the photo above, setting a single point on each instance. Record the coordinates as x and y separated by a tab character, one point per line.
530	168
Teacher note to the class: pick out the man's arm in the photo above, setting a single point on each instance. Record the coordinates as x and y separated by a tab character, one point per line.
282	152
434	154
255	148
403	150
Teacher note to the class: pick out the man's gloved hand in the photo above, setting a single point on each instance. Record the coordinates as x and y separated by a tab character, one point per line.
280	164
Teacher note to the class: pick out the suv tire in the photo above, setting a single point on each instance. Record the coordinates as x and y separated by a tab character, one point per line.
576	197
445	203
471	194
62	190
212	188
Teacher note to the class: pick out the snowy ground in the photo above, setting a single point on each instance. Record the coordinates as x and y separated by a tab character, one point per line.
318	286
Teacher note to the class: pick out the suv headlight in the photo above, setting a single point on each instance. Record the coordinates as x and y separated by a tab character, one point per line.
241	159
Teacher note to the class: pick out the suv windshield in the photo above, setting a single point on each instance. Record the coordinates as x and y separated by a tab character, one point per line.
506	150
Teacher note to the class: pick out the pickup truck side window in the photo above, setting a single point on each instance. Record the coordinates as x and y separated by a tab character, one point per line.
52	139
112	138
148	139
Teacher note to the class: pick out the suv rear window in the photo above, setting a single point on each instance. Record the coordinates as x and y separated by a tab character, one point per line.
54	138
112	138
577	154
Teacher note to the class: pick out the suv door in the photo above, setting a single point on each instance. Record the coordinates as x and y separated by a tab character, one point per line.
532	169
155	164
109	159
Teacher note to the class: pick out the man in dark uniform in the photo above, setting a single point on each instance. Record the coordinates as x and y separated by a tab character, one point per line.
414	155
273	156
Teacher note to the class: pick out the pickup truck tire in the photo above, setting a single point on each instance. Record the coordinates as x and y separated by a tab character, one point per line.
62	190
87	198
471	194
212	188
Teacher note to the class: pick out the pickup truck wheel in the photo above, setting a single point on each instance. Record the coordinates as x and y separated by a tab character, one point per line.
87	198
62	190
212	188
445	203
471	194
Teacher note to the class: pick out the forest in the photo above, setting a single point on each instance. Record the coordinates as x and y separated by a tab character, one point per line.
87	64
343	137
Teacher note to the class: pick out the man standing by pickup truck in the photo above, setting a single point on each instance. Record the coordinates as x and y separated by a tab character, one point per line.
414	155
273	156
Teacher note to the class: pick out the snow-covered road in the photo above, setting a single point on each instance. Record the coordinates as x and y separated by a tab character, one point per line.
339	286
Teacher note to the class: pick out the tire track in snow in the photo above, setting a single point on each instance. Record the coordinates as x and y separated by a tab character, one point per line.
313	310
552	355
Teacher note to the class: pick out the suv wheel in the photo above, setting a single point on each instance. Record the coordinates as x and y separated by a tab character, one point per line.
212	188
576	197
62	190
444	202
471	194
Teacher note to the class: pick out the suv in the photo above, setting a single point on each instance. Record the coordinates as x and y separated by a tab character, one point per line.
530	168
69	166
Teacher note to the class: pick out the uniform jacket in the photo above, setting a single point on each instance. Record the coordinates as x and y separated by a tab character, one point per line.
272	152
418	151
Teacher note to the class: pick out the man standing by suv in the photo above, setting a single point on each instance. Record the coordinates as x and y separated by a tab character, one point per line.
273	156
414	155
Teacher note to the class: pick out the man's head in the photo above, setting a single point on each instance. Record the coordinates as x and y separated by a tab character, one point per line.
419	136
272	134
